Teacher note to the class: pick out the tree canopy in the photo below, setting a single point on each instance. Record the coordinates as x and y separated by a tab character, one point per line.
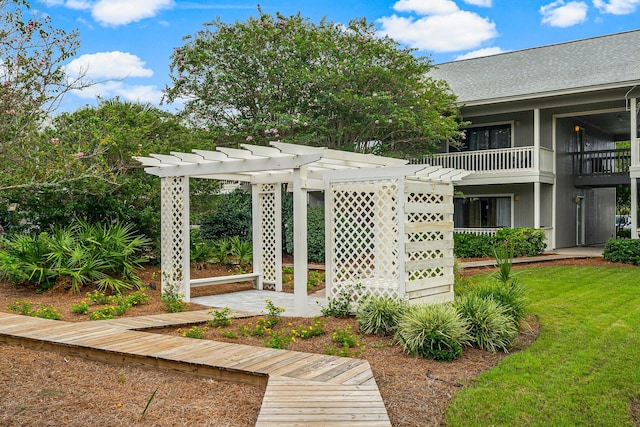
105	138
286	78
32	82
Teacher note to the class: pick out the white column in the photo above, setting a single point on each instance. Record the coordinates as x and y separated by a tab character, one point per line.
278	236
299	243
536	140
634	208
536	204
635	159
174	225
256	232
635	163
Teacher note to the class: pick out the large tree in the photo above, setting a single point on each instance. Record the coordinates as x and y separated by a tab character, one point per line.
286	78
117	130
32	83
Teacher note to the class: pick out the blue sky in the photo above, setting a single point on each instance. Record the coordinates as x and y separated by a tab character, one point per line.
126	44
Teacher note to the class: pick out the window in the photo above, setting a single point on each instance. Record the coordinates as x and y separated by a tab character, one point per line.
476	212
487	138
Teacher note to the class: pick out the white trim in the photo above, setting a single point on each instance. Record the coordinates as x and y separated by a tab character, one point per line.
550	94
589	112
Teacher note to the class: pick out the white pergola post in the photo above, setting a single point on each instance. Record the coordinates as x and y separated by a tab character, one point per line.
299	242
537	206
256	232
635	163
267	234
174	199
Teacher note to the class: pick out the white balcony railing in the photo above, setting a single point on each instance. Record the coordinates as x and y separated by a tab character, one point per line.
500	160
477	230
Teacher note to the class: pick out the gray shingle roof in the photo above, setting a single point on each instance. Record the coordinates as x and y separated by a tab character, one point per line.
589	64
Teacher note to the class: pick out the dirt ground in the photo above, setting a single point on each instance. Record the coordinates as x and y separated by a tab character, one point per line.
43	388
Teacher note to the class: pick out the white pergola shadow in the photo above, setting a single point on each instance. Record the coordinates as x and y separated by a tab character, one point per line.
389	225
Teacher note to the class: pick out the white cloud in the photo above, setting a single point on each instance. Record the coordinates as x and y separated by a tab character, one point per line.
111	89
561	14
123	12
78	4
450	32
108	65
488	51
617	7
481	3
426	7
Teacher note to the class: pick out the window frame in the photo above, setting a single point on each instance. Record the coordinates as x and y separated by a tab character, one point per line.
510	123
510	196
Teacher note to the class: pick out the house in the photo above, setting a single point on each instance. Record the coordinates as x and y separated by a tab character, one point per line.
553	130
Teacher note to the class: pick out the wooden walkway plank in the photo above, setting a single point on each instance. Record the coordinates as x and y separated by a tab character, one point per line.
170	319
286	402
302	389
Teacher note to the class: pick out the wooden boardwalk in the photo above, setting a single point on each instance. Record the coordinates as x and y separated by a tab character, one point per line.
302	389
170	319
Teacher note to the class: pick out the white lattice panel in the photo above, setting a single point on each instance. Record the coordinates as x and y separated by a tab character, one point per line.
269	221
363	248
174	199
429	239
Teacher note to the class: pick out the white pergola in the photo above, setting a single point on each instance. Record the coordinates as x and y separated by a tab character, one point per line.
389	225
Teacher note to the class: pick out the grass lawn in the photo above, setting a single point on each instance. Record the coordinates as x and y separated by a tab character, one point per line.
584	369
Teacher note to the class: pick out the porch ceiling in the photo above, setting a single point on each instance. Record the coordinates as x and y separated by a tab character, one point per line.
617	124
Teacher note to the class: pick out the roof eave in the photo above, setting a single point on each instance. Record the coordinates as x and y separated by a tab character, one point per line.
550	94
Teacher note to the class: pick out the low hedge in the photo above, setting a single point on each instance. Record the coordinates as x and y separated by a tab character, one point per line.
524	241
626	251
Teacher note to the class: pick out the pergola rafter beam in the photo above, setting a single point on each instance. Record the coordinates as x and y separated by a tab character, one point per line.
230	167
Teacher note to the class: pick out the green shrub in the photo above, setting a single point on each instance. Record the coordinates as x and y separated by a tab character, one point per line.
341	305
523	241
346	343
106	255
626	251
172	300
315	234
379	315
511	295
242	251
47	312
490	326
220	317
221	250
44	311
503	253
200	251
231	217
433	331
472	245
278	339
80	308
195	332
21	307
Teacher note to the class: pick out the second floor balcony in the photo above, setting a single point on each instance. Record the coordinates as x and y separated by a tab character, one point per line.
601	167
517	159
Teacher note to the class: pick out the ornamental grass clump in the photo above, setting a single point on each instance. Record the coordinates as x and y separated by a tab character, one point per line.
433	331
511	295
380	315
490	325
